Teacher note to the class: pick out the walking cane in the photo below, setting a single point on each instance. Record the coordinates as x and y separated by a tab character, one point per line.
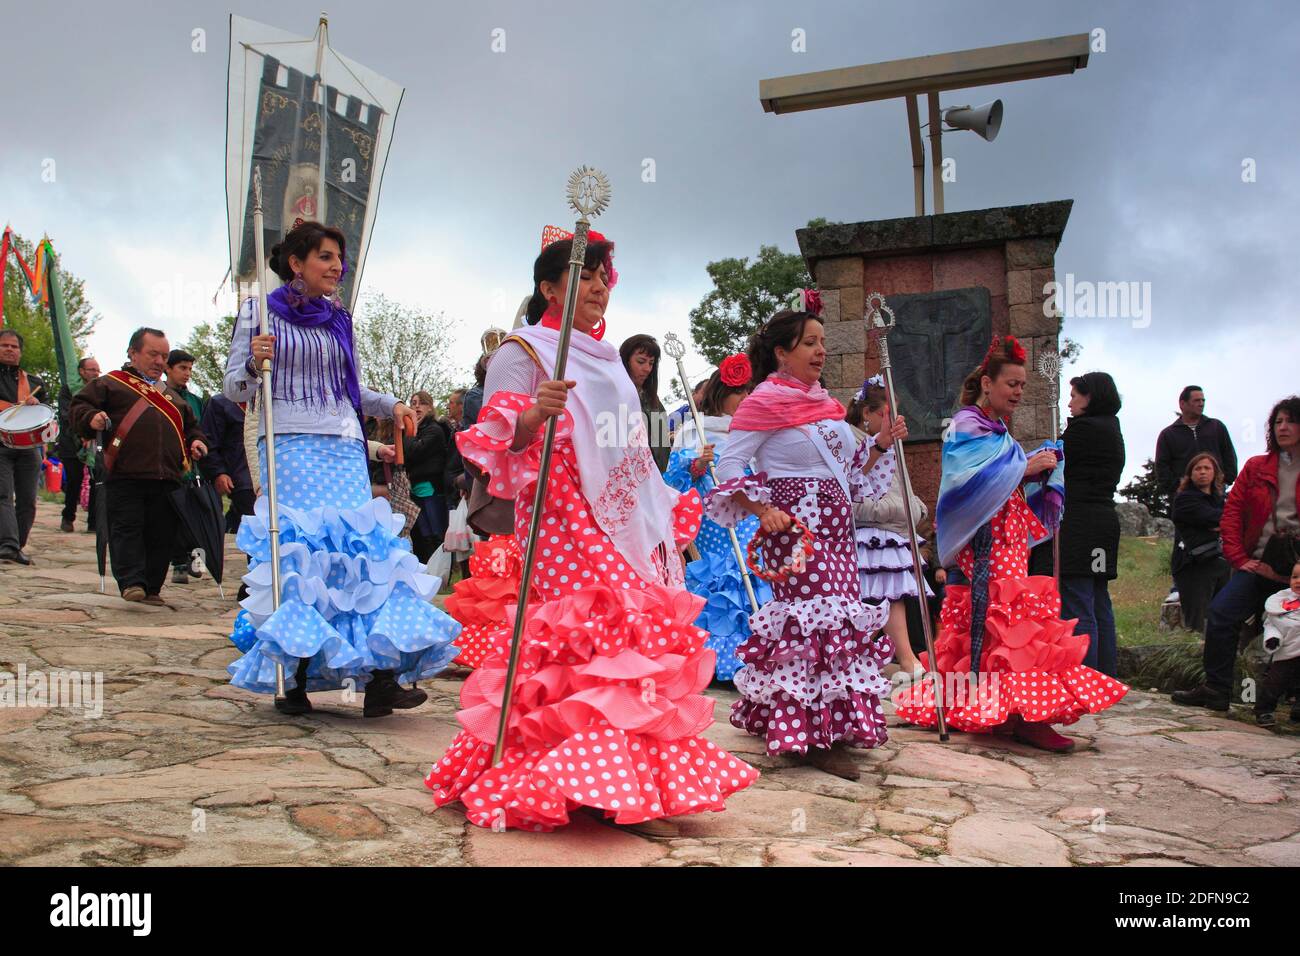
878	331
588	193
268	426
677	349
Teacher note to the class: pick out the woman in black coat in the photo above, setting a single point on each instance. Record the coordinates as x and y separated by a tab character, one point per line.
1199	567
426	466
1094	460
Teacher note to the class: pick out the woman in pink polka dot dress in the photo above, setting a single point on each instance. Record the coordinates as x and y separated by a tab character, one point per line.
811	681
1008	663
608	706
479	601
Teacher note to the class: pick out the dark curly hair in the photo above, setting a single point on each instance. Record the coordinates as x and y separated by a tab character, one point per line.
784	329
1290	405
302	240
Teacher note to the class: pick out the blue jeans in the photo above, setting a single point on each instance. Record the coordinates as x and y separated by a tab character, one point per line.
1242	596
1087	599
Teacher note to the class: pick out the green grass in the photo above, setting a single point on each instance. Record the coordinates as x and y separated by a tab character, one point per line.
1140	589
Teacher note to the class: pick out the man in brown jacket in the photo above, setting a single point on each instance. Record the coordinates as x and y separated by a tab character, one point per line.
150	440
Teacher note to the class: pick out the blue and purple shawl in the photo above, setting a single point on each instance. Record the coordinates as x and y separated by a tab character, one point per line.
315	378
982	468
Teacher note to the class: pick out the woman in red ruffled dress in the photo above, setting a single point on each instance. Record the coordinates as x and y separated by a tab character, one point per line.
1008	663
608	706
479	601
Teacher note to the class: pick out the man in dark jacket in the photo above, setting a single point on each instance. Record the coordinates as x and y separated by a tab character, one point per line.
1192	432
225	464
155	436
426	467
69	449
20	468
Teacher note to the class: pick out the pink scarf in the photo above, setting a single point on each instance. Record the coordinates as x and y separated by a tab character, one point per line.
782	401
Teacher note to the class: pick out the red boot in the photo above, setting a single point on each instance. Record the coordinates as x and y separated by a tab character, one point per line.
1042	736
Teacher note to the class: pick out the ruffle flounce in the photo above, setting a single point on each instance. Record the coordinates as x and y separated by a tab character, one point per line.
1031	663
488	442
480	601
816	650
353	598
721	505
628	662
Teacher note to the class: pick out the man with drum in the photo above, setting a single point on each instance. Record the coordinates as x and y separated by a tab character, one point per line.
20	460
151	437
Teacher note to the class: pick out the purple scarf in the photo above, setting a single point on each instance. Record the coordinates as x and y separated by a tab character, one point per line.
320	376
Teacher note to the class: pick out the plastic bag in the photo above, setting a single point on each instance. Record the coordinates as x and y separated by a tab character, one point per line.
459	539
439	565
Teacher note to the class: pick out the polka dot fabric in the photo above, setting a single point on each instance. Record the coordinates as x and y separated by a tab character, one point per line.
812	669
608	706
716	575
480	601
885	565
353	598
1031	662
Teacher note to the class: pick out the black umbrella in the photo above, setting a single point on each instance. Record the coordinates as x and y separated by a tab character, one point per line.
204	523
98	476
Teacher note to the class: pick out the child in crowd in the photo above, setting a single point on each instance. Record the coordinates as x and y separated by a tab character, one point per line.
1282	642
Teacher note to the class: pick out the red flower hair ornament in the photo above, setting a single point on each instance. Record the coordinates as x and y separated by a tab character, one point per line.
811	301
1008	346
735	370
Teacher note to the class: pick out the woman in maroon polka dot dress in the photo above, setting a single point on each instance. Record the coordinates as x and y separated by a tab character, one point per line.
608	706
1008	663
811	681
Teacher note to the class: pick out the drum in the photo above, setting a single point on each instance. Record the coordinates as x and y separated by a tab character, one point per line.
28	426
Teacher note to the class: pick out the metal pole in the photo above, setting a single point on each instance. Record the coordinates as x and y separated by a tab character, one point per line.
878	329
268	425
588	195
322	33
675	347
1056	435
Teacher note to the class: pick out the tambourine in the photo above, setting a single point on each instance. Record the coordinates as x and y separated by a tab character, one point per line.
798	561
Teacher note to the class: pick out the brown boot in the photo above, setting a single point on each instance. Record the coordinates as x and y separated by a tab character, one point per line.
835	761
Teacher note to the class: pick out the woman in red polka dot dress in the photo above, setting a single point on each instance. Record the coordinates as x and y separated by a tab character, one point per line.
479	601
608	706
1008	663
811	682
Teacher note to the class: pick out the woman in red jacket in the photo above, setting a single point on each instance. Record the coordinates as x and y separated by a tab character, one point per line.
1259	530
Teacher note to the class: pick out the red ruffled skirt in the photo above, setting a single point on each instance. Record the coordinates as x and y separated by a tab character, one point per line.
1031	663
480	601
608	709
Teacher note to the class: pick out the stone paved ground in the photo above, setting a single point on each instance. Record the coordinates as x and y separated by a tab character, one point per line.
182	769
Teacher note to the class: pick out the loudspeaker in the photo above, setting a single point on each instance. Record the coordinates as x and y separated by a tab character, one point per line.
985	120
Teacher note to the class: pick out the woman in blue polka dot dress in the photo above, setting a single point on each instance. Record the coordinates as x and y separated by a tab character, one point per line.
716	575
356	608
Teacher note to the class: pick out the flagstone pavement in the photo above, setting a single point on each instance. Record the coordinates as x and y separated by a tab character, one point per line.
182	769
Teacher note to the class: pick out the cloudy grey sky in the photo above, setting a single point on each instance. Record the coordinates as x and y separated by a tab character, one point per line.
1149	141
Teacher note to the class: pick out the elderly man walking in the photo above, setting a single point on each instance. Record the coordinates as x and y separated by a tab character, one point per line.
151	437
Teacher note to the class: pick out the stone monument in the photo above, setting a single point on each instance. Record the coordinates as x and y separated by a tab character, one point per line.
954	280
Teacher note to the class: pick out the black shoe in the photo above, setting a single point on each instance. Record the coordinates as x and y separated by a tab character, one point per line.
15	557
1295	714
180	576
1266	719
294	702
384	694
1202	696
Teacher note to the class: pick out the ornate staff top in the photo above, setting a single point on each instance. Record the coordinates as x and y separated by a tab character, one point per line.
674	346
878	328
588	191
257	189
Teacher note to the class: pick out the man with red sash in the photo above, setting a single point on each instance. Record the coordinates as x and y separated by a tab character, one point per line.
20	468
150	440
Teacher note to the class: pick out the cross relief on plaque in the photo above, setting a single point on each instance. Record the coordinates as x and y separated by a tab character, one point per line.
939	338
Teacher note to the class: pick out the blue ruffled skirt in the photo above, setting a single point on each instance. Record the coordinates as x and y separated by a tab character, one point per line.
716	578
353	598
